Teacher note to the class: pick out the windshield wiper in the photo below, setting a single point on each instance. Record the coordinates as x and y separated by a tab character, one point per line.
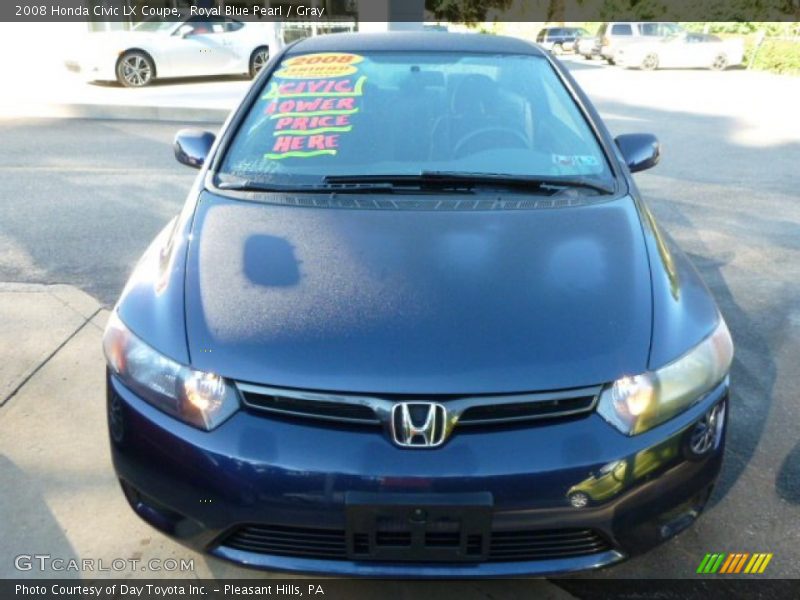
467	180
246	185
439	180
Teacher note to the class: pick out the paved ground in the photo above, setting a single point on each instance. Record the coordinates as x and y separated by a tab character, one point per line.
81	199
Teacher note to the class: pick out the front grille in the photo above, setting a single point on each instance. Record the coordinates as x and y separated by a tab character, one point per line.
281	403
331	544
289	541
545	544
523	411
373	410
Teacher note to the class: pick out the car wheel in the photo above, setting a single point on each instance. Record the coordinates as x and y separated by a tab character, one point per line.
650	62
258	59
720	62
610	61
135	69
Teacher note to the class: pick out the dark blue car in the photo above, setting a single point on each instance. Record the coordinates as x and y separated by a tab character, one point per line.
415	320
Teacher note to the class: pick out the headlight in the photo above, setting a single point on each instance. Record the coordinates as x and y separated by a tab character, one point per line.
637	403
201	399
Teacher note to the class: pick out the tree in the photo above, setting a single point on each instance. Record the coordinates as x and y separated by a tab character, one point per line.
464	11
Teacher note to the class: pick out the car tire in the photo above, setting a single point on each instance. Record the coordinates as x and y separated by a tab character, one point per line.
720	62
610	61
258	59
135	69
649	62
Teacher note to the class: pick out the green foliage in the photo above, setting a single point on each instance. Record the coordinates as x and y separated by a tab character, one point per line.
635	10
770	28
713	10
721	27
464	11
777	56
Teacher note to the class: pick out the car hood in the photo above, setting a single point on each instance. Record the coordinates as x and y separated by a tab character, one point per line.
418	301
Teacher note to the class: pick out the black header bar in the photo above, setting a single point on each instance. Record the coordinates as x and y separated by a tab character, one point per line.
401	11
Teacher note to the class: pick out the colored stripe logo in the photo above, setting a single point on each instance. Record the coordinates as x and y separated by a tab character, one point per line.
734	563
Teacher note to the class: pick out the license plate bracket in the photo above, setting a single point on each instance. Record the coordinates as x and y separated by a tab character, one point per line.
418	527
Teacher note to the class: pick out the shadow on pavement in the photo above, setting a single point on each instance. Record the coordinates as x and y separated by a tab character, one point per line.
788	483
28	526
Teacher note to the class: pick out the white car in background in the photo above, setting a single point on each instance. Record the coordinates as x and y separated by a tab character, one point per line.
616	35
588	46
685	50
192	47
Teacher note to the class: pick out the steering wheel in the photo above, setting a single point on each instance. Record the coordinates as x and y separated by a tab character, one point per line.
463	149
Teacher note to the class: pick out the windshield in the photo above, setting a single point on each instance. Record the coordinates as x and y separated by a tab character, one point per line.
340	114
153	25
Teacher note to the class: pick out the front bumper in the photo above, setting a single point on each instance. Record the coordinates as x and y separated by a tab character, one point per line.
622	59
90	69
204	489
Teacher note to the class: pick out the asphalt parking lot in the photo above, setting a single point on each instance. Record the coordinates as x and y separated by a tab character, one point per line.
82	198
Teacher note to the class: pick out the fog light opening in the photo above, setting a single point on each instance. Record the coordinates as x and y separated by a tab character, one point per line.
579	499
679	523
158	515
681	518
116	417
707	432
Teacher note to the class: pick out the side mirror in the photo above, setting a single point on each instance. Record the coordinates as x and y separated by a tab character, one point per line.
185	30
192	146
640	150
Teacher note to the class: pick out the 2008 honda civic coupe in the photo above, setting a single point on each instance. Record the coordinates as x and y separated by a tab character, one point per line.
414	319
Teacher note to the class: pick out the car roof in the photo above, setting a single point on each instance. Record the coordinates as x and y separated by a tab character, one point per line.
415	42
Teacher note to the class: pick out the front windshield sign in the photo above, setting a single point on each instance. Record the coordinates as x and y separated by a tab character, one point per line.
311	101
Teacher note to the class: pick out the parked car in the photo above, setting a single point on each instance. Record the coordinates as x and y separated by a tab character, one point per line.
614	36
685	50
413	304
192	47
559	39
588	46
